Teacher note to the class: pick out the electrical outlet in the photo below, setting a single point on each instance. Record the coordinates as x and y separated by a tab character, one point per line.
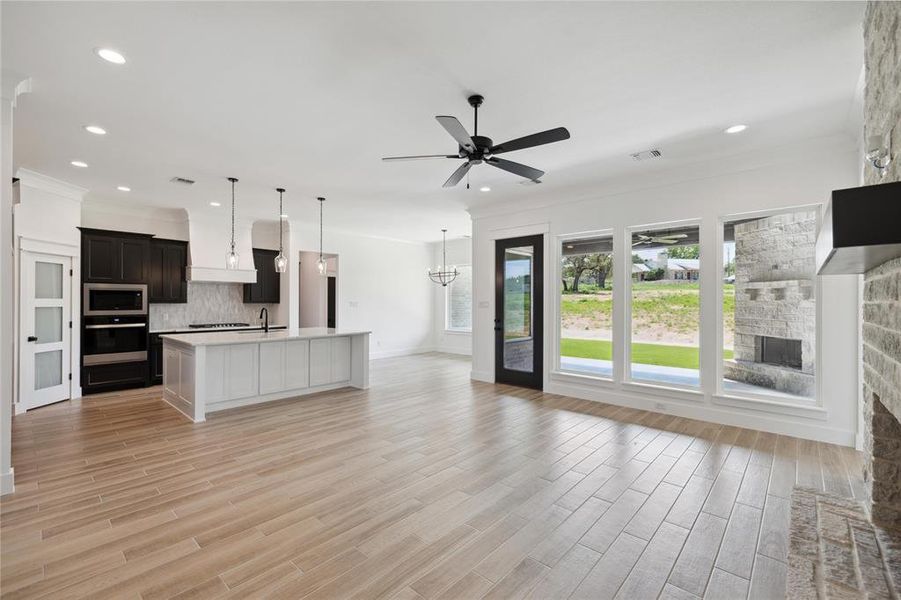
660	406
353	304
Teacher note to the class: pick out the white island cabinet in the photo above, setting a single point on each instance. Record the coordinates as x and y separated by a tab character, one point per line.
206	372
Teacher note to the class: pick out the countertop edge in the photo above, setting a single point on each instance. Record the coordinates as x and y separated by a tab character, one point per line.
194	339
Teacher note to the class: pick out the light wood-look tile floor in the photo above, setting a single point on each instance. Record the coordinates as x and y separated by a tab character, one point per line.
427	485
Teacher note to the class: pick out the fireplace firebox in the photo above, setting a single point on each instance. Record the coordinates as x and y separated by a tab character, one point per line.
779	351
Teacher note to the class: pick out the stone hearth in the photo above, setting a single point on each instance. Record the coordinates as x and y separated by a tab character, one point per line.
837	553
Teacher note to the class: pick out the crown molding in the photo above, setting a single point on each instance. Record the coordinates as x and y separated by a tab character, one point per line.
49	184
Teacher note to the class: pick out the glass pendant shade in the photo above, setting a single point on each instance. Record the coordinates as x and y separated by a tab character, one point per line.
322	266
281	263
232	260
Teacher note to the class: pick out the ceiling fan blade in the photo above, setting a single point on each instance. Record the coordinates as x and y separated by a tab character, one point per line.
457	131
677	236
457	175
515	168
536	139
420	157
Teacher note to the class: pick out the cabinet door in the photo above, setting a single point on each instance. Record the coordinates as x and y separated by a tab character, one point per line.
272	367
156	285
172	381
100	256
340	359
297	364
320	359
216	374
174	265
243	371
134	260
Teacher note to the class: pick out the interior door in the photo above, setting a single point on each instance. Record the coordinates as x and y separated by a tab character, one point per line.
330	304
519	311
46	308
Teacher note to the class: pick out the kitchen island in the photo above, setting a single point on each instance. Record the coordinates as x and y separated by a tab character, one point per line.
206	372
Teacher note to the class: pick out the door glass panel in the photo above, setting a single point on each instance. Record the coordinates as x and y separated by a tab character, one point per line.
48	280
48	324
518	341
48	369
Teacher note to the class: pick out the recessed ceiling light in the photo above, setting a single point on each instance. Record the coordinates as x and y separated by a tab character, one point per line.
570	246
736	128
484	188
110	55
123	188
215	204
79	163
95	129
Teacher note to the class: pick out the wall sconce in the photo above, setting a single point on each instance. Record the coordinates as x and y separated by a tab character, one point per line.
879	153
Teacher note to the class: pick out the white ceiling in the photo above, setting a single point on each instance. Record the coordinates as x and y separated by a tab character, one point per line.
309	96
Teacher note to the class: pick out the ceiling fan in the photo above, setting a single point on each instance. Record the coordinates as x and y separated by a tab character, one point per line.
478	149
662	239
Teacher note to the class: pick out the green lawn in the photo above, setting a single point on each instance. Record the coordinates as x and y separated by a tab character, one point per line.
645	354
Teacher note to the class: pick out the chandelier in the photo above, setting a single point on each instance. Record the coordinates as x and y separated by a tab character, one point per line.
441	274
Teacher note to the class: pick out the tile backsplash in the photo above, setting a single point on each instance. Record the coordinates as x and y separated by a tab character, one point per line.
207	303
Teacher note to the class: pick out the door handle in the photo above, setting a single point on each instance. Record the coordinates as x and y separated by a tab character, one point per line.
32	338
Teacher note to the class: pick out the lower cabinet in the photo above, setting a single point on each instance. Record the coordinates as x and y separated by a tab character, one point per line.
329	361
232	372
179	369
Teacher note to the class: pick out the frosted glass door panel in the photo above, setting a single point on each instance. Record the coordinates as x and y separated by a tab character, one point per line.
48	280
48	369
48	324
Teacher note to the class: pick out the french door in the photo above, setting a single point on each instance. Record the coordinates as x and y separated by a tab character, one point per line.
519	311
45	335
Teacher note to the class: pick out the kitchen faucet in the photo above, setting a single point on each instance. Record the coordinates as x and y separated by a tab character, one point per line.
265	312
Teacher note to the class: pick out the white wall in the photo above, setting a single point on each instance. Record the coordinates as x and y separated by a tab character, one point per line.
169	224
382	287
459	252
783	177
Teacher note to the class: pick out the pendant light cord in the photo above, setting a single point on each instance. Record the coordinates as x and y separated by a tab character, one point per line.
321	200
444	249
280	219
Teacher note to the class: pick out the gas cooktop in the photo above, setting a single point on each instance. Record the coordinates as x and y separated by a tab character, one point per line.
217	325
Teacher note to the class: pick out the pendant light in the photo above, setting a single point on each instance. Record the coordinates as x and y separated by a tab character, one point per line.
281	262
232	260
321	264
441	274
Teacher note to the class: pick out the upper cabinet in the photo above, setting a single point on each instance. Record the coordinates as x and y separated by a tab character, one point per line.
268	285
114	257
168	265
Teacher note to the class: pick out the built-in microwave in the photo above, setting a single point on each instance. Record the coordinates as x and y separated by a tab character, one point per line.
108	299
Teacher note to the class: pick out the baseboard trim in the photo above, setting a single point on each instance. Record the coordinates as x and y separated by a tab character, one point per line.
401	352
7	482
482	376
711	413
456	351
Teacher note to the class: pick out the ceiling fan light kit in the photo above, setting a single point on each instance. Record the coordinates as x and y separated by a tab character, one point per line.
479	149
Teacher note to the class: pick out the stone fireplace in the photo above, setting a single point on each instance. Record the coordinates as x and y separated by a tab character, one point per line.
775	310
881	311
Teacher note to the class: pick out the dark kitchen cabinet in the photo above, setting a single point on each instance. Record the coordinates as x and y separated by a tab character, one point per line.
156	360
268	285
114	257
168	263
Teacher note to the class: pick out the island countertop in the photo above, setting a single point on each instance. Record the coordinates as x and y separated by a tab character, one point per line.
222	338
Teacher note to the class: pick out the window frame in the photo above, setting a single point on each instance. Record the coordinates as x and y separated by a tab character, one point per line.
626	367
751	398
557	315
447	307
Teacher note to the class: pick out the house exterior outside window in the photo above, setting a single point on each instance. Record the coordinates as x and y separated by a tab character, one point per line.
459	301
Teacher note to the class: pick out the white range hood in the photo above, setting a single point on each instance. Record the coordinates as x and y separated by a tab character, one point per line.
209	243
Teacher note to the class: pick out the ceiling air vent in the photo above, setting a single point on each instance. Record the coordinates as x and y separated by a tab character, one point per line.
647	154
182	181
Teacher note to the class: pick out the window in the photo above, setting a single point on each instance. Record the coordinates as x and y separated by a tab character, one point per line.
459	301
666	306
586	306
769	305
